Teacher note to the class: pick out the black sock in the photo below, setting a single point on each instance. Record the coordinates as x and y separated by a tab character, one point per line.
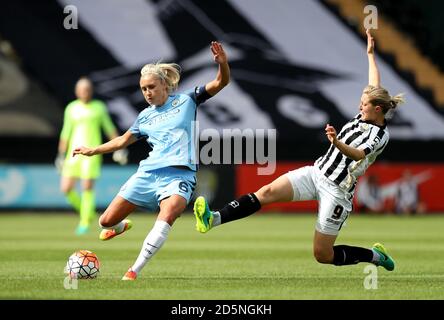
345	255
240	208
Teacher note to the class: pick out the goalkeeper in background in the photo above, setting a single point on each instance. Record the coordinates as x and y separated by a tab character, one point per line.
83	120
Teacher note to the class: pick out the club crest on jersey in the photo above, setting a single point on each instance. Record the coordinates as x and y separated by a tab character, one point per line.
175	102
365	126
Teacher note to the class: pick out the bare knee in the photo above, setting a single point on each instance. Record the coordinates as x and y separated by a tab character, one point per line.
88	184
323	255
65	190
171	209
169	214
66	187
106	221
170	219
265	194
67	184
280	190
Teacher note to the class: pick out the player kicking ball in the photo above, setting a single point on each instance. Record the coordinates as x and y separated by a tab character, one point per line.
167	178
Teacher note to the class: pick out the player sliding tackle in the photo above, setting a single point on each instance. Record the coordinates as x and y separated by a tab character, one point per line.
167	178
331	180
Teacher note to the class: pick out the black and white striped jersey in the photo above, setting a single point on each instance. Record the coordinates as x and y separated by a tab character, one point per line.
358	134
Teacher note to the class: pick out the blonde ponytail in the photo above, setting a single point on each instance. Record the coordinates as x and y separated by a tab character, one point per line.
395	101
168	72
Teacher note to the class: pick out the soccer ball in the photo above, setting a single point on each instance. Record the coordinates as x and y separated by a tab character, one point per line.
83	264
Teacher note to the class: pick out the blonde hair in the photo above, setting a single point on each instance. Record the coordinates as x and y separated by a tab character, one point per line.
378	96
168	72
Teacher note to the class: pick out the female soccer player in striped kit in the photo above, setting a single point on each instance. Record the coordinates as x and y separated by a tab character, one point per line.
331	180
167	178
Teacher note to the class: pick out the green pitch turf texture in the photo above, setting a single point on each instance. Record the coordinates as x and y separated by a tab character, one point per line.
267	256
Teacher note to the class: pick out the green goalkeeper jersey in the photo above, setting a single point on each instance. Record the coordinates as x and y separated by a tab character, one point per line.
82	124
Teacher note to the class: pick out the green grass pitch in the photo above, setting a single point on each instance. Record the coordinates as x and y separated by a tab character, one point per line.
266	256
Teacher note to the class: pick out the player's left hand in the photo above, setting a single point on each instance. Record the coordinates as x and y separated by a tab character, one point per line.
121	156
330	131
218	51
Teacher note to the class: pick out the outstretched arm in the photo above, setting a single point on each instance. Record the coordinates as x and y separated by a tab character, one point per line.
115	144
120	155
374	78
223	73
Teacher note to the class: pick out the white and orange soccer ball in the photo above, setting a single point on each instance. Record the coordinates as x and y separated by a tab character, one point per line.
83	264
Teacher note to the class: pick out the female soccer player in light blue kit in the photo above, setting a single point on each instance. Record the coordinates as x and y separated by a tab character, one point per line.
331	180
167	178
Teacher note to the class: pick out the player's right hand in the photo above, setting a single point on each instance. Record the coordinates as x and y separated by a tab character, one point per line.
330	132
83	151
58	162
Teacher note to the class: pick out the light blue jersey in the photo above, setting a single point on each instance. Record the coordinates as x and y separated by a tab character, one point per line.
169	130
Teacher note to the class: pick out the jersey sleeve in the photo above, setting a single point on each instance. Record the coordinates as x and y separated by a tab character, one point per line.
107	123
67	123
198	94
135	128
378	139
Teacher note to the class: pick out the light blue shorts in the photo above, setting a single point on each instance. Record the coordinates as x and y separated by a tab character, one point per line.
147	189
